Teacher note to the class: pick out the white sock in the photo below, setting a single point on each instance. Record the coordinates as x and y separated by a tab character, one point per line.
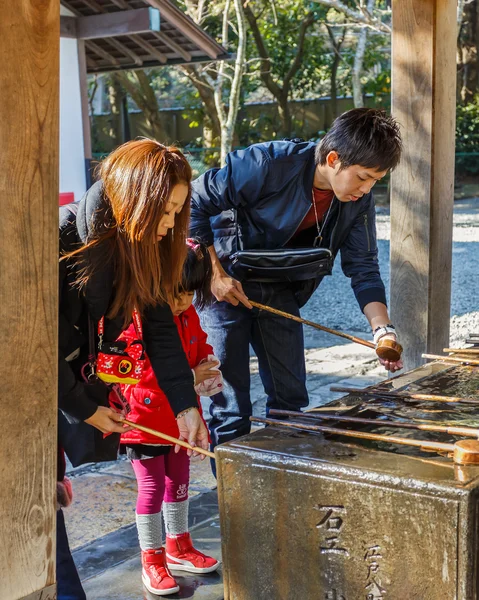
176	517
150	531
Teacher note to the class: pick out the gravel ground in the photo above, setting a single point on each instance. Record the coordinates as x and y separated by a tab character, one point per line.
334	304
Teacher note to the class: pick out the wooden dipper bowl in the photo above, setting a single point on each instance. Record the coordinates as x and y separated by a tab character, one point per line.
388	349
466	452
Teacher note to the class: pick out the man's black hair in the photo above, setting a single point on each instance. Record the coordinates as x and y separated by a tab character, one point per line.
197	272
363	136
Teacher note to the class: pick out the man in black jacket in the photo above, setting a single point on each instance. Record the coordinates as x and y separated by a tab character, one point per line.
285	194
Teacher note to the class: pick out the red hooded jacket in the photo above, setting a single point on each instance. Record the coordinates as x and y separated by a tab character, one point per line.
149	405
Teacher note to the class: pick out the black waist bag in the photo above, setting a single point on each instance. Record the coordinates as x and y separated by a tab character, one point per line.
284	264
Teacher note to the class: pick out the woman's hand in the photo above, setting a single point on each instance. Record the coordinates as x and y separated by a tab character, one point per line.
107	420
192	430
205	370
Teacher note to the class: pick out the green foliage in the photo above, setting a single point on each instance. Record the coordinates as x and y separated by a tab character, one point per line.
467	138
279	29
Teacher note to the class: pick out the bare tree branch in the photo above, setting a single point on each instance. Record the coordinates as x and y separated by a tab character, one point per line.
295	65
265	67
358	16
336	45
279	92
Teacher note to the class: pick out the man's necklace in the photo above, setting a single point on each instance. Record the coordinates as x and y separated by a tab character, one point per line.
319	238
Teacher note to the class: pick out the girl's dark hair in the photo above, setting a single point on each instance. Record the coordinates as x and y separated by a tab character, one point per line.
363	136
197	272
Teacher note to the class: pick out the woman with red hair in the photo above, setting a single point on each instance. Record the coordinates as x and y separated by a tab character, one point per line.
122	249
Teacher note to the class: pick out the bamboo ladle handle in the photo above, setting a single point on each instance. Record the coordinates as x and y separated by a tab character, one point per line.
168	438
281	313
386	349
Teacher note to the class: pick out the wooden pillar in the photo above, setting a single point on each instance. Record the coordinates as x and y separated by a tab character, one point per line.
29	131
423	101
85	111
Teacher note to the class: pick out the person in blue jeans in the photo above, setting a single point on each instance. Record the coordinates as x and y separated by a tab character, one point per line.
287	194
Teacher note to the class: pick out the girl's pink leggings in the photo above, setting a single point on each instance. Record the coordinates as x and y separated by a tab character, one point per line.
161	478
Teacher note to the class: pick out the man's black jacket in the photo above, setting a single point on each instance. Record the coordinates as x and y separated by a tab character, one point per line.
269	186
161	337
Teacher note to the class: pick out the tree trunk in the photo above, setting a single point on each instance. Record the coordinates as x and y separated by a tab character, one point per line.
359	61
115	95
144	97
228	116
334	88
336	45
285	115
125	119
211	123
469	39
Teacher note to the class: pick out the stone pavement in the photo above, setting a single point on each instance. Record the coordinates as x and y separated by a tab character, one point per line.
100	522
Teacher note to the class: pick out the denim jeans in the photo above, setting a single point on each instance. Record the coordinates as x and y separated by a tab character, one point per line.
279	346
69	586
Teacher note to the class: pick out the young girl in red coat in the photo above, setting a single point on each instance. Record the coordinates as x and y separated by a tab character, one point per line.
162	474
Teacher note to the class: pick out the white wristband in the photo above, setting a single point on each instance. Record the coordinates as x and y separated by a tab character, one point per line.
380	332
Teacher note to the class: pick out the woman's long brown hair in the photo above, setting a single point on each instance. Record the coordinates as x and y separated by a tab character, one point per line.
138	178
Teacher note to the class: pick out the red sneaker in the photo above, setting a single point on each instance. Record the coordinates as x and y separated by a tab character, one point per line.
155	574
181	556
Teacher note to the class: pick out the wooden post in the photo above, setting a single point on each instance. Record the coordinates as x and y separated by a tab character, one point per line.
85	111
29	132
423	101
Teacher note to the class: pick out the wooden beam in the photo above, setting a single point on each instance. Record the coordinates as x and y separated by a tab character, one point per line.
165	38
68	27
90	63
114	24
93	4
85	108
73	10
187	27
149	48
29	157
126	51
49	593
123	4
103	53
422	190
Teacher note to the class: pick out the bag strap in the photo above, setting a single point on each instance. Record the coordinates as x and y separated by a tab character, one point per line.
239	244
91	341
136	324
90	365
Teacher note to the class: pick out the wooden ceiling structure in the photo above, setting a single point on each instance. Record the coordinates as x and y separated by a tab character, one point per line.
136	34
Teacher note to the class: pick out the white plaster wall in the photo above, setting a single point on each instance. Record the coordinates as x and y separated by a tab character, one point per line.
72	163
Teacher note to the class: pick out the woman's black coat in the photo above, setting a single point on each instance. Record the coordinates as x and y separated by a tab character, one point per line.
162	341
